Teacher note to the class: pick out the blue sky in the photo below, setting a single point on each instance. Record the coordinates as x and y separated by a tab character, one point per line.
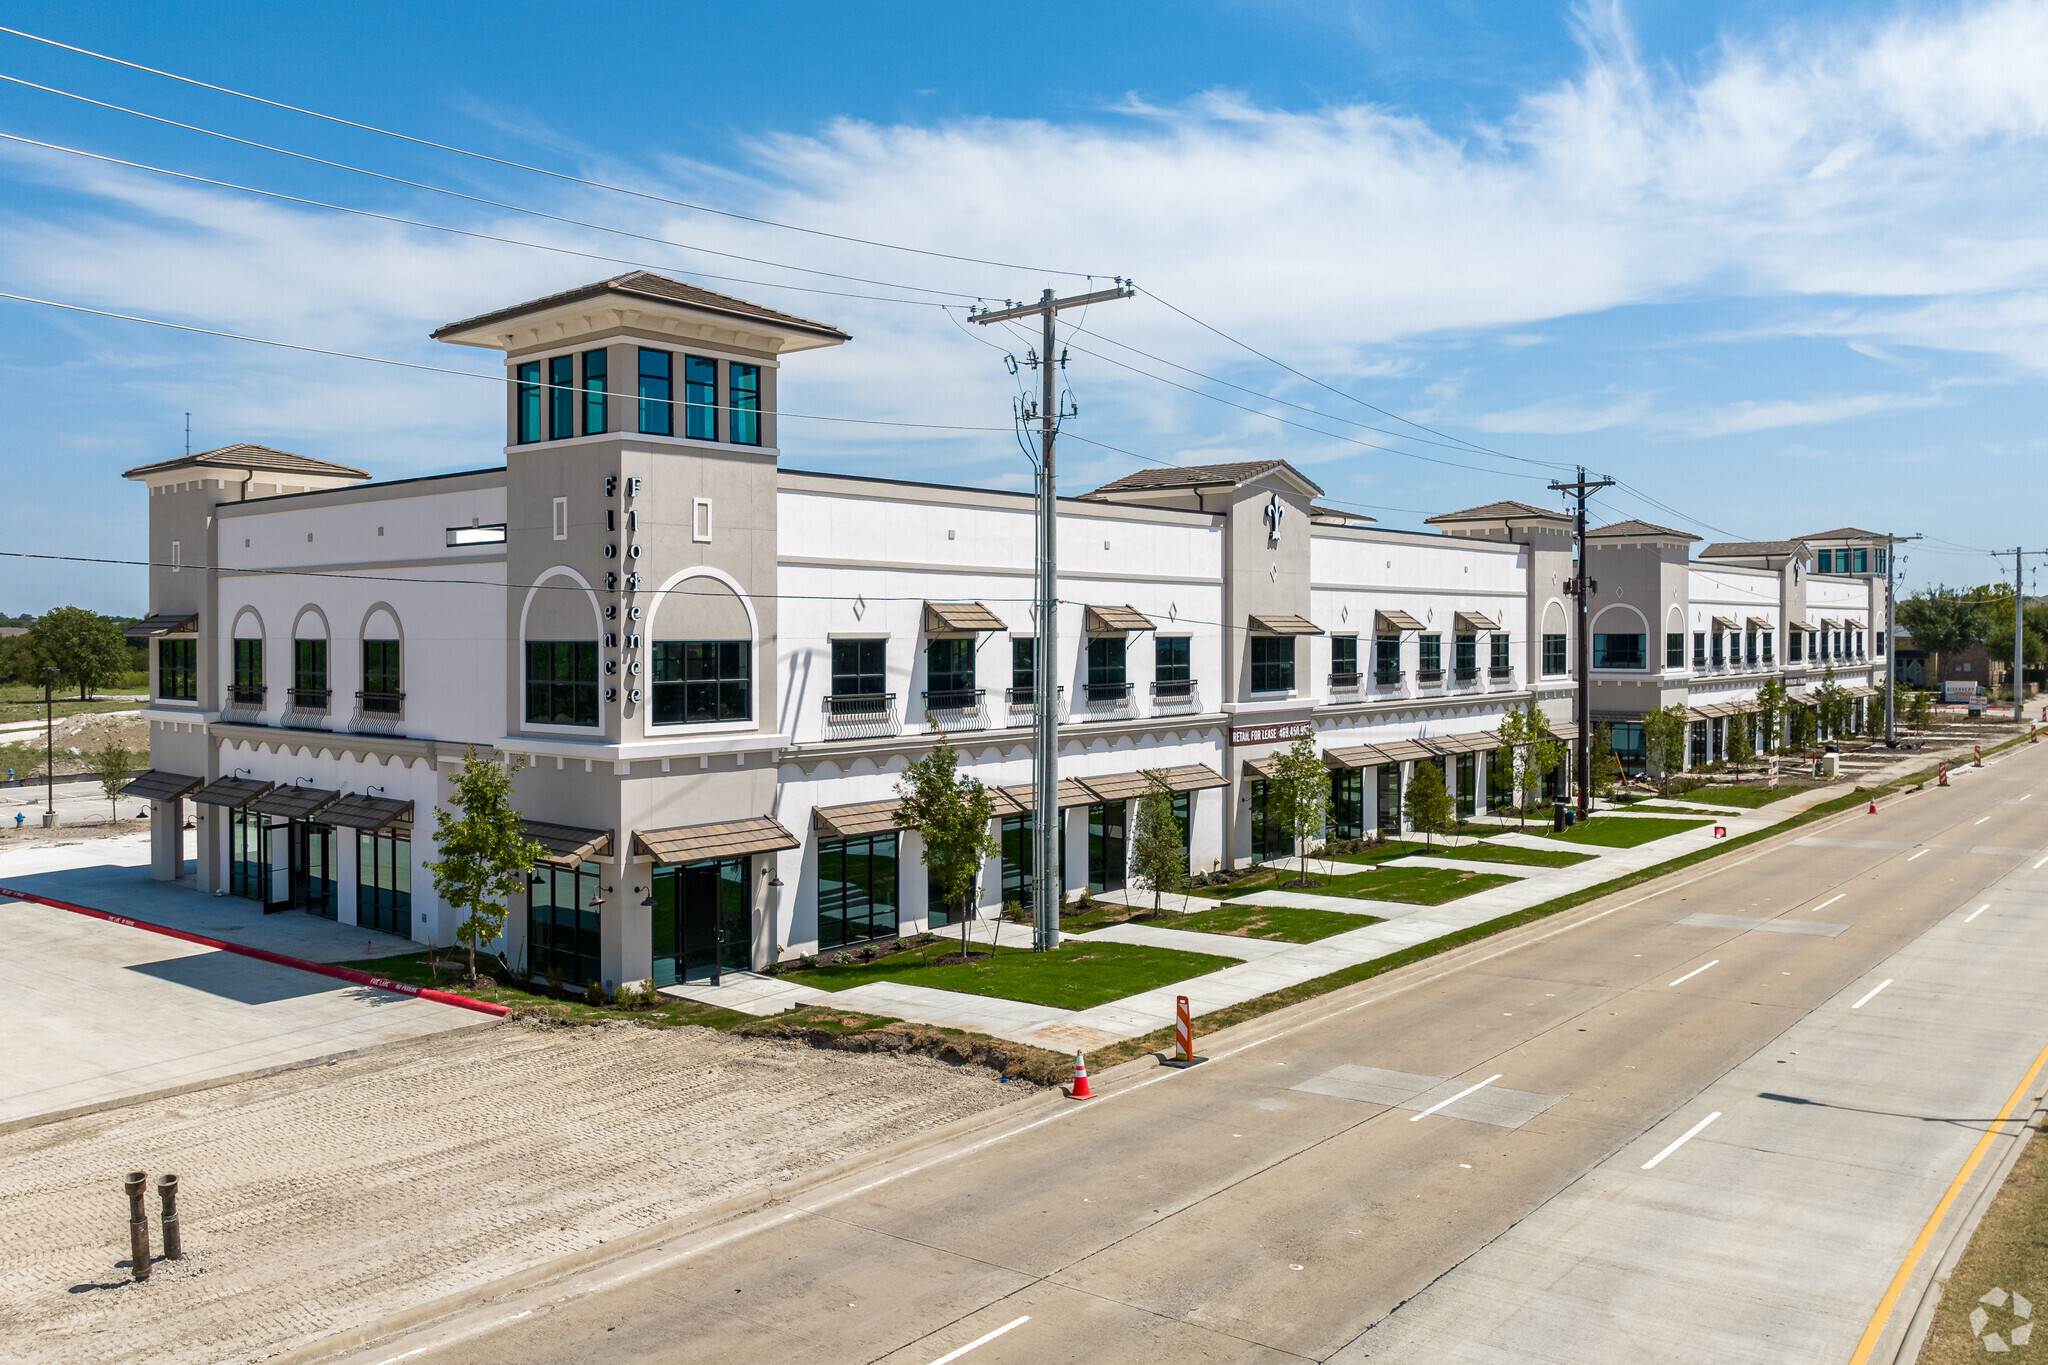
1778	268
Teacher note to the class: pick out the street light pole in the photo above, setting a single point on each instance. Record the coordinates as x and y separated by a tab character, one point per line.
49	749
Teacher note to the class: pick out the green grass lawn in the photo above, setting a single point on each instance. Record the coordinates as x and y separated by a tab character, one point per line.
1748	798
1610	833
1077	977
22	703
1508	853
1285	924
1387	882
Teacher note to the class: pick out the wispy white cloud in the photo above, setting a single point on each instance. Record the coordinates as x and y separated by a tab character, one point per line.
1766	416
1568	416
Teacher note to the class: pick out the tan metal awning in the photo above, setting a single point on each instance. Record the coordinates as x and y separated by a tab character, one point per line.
1694	713
1262	769
1565	730
959	618
1284	625
1829	623
1479	743
855	819
1758	623
1072	793
294	803
157	785
164	623
231	792
566	845
1807	626
1471	622
1117	786
1117	621
1357	756
1723	623
701	843
368	813
1403	750
1394	622
1194	777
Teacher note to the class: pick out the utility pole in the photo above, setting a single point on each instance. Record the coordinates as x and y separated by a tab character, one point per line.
2019	629
1891	666
1045	766
49	748
1582	587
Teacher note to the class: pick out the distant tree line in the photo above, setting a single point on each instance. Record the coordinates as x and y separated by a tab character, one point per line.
87	650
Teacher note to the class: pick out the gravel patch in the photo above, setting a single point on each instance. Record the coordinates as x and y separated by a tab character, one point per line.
319	1200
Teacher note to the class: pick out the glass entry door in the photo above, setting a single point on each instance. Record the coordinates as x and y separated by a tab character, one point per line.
274	848
1106	846
703	921
1388	793
313	868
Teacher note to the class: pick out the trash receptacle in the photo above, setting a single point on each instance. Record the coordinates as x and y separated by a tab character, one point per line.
1557	819
1571	816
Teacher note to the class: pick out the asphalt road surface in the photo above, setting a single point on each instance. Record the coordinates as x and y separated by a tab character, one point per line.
1451	1163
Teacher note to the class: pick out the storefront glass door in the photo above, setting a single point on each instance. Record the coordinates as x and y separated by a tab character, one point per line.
703	921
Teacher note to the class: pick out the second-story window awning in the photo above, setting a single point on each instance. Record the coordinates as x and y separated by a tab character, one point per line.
959	618
1124	620
158	785
294	803
1393	622
1727	624
164	623
568	845
699	843
1472	622
1284	625
1807	626
1829	623
1758	623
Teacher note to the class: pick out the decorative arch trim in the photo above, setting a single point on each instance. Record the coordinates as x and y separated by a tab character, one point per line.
326	630
397	622
249	613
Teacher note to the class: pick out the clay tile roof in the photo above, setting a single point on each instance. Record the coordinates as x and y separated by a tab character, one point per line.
1199	476
1745	549
1509	510
1844	533
1635	529
246	456
646	284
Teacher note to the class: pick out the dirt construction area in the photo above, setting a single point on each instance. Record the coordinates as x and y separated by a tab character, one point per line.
318	1200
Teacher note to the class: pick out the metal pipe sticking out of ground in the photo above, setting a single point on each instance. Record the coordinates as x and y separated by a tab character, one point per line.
167	1189
137	1185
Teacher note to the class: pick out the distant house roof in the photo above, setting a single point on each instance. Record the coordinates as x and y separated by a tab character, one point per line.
1752	549
1499	511
243	455
1845	533
1634	529
1318	512
645	284
1202	476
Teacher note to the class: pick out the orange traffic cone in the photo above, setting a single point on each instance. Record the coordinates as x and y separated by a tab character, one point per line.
1081	1090
1873	805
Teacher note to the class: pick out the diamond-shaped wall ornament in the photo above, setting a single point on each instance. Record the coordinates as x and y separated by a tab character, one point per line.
860	608
1173	611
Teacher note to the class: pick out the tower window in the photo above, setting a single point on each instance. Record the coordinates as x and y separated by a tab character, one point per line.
743	385
596	372
700	398
527	402
561	397
657	410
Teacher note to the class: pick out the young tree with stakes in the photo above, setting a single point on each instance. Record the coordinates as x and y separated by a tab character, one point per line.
1528	752
486	857
1158	862
955	815
1664	745
1429	802
1770	709
1298	795
1835	705
113	763
1740	750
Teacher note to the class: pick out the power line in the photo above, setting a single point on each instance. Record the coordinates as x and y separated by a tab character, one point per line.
493	237
439	189
443	369
539	170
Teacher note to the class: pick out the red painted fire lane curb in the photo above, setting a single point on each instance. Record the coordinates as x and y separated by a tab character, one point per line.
348	974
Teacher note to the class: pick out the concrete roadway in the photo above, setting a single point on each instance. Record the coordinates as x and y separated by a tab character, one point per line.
1281	1203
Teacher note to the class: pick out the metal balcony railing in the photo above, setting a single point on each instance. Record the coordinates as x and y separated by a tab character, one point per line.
1501	671
1105	692
1345	679
240	694
380	703
1028	696
1467	672
953	699
1386	677
861	704
1429	675
1173	689
309	698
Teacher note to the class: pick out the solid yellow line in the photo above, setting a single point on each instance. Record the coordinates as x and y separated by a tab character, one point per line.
1898	1285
